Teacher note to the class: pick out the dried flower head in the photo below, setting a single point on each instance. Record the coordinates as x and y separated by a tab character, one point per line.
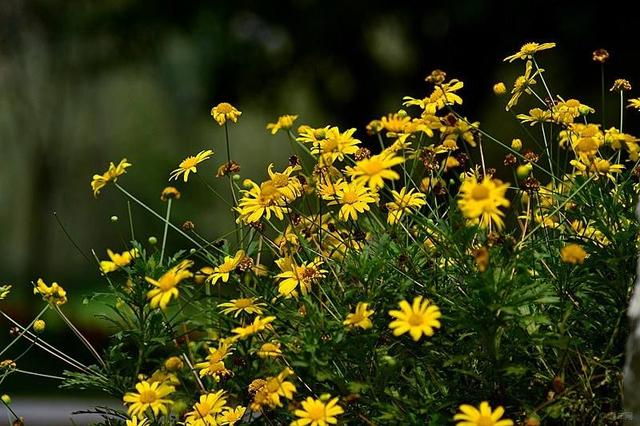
436	77
620	85
228	168
600	55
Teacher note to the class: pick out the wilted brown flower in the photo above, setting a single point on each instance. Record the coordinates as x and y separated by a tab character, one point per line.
600	55
531	157
436	77
188	226
531	184
481	257
228	168
362	153
510	160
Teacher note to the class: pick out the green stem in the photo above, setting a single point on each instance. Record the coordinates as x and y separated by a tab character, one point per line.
166	228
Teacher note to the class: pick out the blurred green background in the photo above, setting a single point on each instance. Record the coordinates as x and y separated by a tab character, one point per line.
86	82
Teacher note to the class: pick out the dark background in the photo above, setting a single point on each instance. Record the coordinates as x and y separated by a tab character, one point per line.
86	82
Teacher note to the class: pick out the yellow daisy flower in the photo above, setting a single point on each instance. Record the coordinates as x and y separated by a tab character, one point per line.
225	111
117	260
206	409
307	134
228	265
528	50
634	103
442	95
335	145
135	422
111	175
403	202
259	324
289	186
285	122
231	416
536	116
247	305
149	396
419	318
360	318
523	84
52	294
261	201
315	412
166	285
354	198
481	416
301	277
214	364
375	169
481	201
188	165
573	254
269	350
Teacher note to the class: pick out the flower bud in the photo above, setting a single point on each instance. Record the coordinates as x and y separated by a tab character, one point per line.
236	177
114	218
39	326
524	170
192	251
499	89
153	240
173	363
516	145
6	399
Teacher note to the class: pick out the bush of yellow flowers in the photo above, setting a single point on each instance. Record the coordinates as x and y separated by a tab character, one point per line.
382	276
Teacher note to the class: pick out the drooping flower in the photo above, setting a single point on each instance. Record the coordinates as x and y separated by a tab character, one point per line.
354	198
528	50
118	260
481	201
206	410
300	277
285	122
315	412
481	416
166	285
573	254
228	265
261	201
225	111
4	291
111	175
419	318
52	294
189	165
375	169
360	318
248	305
523	84
259	324
403	202
149	396
170	193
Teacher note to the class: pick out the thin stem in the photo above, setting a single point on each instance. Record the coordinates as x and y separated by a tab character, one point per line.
80	336
24	330
33	373
133	235
621	109
166	229
602	93
233	192
175	228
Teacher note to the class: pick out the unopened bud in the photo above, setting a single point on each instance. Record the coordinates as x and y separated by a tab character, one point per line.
524	170
114	218
39	326
516	144
153	240
6	399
